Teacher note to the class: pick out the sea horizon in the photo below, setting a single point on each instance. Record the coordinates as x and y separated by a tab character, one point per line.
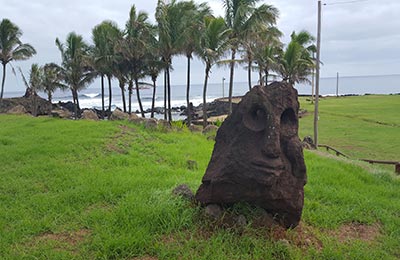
348	85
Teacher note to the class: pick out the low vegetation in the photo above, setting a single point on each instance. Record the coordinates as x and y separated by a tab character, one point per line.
85	190
364	127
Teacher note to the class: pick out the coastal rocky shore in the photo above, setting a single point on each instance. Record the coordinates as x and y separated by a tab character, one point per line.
26	104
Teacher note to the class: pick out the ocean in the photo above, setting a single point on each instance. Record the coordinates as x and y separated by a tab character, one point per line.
358	85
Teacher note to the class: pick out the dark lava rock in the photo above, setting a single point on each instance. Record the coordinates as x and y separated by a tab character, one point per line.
43	107
214	211
184	191
308	143
150	123
258	156
210	129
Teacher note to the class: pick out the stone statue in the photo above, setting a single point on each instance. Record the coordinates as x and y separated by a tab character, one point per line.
258	156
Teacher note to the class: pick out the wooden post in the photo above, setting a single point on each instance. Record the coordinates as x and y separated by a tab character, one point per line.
317	76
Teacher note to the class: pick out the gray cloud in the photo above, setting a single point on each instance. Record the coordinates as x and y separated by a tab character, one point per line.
357	39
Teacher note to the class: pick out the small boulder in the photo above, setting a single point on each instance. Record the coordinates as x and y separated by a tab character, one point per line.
184	191
150	123
240	221
17	110
61	113
118	114
89	115
214	211
210	129
195	128
308	143
165	124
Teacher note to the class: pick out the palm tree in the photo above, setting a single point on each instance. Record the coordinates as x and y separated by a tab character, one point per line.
242	17
297	63
11	47
51	80
104	37
33	84
120	71
260	47
75	67
212	46
153	67
135	47
192	24
170	20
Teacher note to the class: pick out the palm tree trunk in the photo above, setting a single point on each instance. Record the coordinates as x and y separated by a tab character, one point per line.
165	95
130	95
266	77
231	80
189	112
138	97
153	100
102	96
74	98
169	96
249	73
121	86
78	108
3	81
205	96
260	77
110	94
50	99
34	101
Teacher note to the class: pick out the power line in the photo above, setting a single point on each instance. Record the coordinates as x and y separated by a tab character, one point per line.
346	2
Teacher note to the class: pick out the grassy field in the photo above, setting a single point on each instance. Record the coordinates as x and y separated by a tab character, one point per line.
366	127
102	190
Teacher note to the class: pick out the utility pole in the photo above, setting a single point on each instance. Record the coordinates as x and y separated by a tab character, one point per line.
337	85
318	61
313	80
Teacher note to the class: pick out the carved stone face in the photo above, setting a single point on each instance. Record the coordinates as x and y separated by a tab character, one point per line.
258	156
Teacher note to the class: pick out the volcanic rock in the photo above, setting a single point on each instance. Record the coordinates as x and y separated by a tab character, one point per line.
42	105
61	113
210	129
150	123
184	191
118	114
17	110
258	156
90	115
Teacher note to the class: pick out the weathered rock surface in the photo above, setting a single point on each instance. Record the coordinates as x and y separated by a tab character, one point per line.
61	113
210	129
150	123
89	115
43	106
17	110
308	143
258	156
118	114
184	191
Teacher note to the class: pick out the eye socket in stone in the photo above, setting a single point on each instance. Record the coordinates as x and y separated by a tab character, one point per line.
289	123
256	119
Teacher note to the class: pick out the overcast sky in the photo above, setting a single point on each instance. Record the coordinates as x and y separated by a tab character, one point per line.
360	38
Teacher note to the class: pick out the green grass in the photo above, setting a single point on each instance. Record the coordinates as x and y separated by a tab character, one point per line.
102	190
366	127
